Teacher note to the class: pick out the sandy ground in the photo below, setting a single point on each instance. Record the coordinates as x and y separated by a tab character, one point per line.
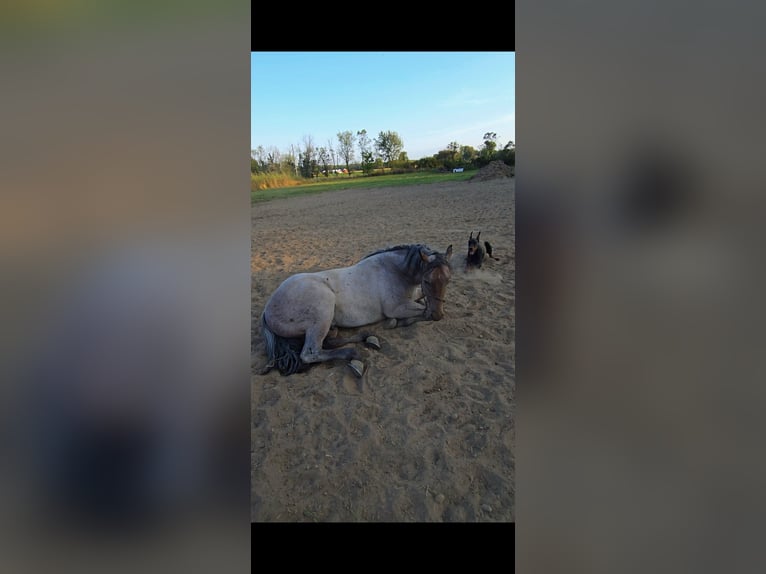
427	434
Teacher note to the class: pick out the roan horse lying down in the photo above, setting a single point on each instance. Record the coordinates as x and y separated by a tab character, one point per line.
301	312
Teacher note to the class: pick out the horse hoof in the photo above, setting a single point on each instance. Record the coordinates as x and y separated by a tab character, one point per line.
372	342
357	367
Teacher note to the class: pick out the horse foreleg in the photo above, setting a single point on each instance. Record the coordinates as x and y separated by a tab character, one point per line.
314	353
409	321
406	314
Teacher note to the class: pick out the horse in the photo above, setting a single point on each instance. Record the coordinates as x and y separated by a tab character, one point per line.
300	314
477	252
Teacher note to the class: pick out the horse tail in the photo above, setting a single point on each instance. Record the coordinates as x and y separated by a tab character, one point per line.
284	354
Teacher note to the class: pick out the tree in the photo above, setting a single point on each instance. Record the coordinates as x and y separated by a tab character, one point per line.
389	145
324	159
368	161
454	149
490	144
428	162
290	161
446	158
508	153
346	142
273	158
468	154
308	157
259	155
365	151
331	151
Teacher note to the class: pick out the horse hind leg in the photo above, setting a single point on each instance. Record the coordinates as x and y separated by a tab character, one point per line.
313	351
365	337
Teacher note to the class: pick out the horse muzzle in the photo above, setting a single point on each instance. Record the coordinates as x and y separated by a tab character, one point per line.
436	315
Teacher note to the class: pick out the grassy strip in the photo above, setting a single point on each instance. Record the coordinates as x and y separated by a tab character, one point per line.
395	180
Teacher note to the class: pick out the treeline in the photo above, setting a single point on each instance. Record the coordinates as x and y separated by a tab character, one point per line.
457	155
357	152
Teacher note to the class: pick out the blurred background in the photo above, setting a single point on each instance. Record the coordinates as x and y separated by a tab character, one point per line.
125	225
639	196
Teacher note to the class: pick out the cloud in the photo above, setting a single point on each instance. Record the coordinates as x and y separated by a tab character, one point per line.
469	98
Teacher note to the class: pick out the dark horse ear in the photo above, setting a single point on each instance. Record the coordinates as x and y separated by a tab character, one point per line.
448	253
471	236
477	235
424	255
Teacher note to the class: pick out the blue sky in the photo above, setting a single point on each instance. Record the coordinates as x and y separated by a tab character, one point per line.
429	98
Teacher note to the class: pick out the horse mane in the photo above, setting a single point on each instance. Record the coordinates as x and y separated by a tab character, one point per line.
413	263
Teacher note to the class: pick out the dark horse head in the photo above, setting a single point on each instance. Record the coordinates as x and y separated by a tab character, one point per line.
436	275
430	269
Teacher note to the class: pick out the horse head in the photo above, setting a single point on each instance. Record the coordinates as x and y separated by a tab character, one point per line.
434	283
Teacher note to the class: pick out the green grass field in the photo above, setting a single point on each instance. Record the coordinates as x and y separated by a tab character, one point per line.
335	184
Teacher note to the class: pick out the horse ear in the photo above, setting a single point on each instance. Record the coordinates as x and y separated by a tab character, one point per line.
471	236
449	252
477	235
424	255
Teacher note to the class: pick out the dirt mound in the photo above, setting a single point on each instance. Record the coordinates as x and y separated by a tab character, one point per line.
493	170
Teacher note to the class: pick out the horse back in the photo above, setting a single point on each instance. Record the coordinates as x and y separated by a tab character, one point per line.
344	297
359	293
